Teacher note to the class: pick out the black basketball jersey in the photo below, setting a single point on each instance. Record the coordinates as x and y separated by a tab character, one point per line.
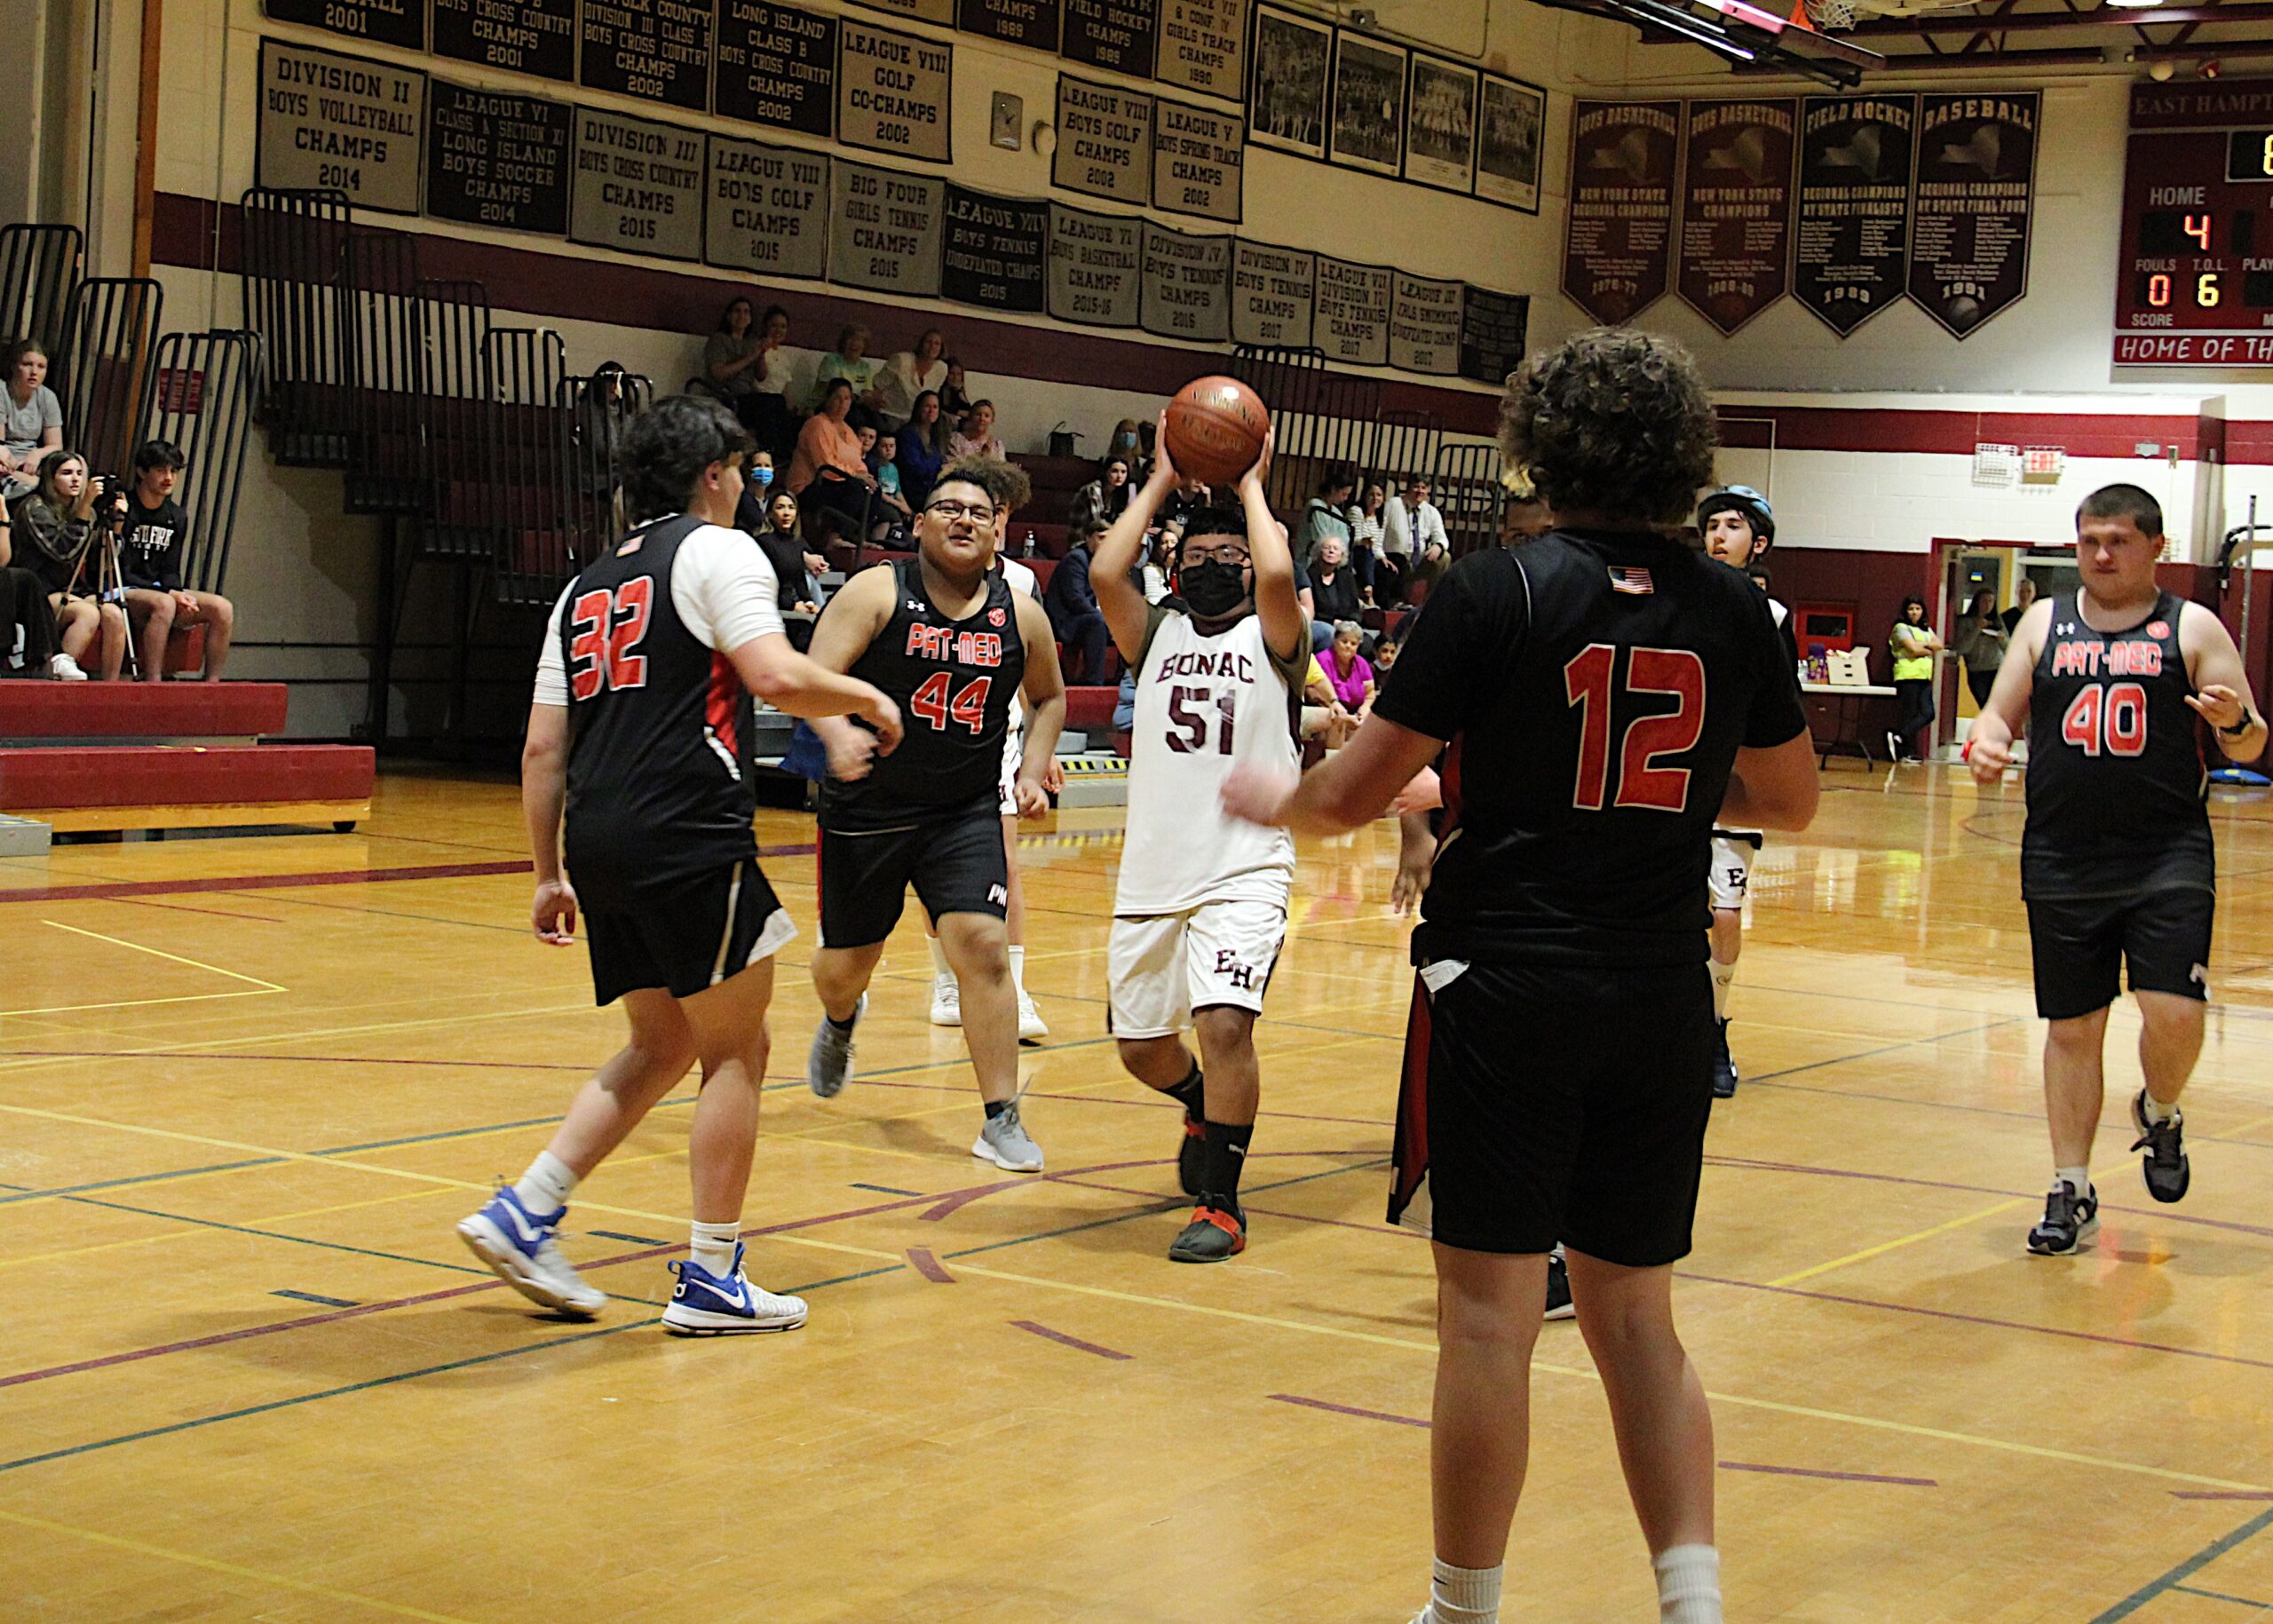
659	763
954	681
2116	779
1595	688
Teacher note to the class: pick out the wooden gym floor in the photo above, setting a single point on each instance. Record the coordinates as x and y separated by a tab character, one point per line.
247	1085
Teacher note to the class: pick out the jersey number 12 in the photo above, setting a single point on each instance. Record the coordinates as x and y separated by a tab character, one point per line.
1589	682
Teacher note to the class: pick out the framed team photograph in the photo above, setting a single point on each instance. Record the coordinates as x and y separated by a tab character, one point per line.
1508	135
1440	125
1286	98
1368	129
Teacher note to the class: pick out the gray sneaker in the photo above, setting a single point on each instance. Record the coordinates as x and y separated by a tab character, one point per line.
828	1066
1004	1141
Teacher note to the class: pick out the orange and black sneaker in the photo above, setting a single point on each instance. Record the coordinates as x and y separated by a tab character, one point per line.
1217	1231
1192	1156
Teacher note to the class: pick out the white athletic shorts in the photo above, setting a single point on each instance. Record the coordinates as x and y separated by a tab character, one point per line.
1161	967
1731	879
1013	752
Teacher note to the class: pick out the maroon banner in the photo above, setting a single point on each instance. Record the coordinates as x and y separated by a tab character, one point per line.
1617	244
1970	226
1735	209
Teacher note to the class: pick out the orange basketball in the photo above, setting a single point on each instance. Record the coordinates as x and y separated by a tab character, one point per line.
1215	430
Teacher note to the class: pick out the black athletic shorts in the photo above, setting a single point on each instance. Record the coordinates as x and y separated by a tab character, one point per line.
686	936
1556	1103
2080	944
955	862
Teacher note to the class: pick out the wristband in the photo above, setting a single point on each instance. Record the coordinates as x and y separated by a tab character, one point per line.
1966	754
2240	728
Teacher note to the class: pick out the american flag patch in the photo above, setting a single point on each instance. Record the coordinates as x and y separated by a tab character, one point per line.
1626	579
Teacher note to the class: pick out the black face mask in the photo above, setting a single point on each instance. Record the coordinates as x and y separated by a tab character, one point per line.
1212	586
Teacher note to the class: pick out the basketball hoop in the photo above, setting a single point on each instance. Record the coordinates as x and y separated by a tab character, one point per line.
1831	14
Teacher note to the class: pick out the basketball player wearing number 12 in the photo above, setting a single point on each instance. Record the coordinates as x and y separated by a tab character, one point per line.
2116	861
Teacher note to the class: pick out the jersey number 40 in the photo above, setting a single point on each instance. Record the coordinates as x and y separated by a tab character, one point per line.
609	627
2116	723
1590	683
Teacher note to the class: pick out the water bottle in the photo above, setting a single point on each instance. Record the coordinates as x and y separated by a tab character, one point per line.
1029	551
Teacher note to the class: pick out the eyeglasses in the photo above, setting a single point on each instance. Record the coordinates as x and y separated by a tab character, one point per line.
952	510
1233	556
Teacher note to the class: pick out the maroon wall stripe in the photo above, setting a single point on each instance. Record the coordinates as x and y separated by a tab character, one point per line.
1834	428
591	287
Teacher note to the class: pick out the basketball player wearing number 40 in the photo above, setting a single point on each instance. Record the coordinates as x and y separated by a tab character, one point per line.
2117	863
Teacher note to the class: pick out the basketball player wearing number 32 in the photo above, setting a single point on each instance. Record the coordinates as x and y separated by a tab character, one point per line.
2116	861
1607	694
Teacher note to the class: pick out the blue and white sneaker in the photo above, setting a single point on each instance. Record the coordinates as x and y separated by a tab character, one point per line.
524	1249
707	1304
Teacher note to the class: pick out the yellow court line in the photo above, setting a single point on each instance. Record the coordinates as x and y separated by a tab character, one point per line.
138	1003
233	1570
27	1062
1885	1246
158	953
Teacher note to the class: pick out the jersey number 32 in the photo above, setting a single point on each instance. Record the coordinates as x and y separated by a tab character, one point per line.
1591	684
609	627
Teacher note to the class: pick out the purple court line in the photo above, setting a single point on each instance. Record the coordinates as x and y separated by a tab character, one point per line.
1071	1342
1344	1409
2218	1494
1808	1471
930	1267
955	1200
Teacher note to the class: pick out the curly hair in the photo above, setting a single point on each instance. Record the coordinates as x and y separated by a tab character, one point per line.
667	448
1006	484
1614	422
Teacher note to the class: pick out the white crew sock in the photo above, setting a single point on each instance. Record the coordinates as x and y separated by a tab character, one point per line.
713	1247
1463	1595
2156	1111
546	1186
1724	977
1018	967
2080	1177
1689	1585
940	969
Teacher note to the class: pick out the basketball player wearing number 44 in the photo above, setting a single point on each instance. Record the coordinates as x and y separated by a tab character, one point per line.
2117	862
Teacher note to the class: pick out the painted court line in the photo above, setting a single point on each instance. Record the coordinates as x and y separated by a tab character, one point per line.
1809	1471
1070	1342
310	1296
931	1268
2217	1494
2186	1570
1345	1409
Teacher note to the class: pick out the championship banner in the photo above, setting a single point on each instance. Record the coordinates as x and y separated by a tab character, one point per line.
996	251
1203	46
1970	227
494	159
1492	329
537	37
1352	319
1097	264
1852	221
892	91
768	209
884	229
389	22
656	50
1735	209
1424	325
638	187
1115	34
1618	243
1030	23
1105	141
1198	157
1271	293
941	12
1187	285
777	65
339	124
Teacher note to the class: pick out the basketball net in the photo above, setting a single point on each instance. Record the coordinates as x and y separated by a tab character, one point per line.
1817	16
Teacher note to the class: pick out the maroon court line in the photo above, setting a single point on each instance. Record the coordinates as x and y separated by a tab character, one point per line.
1749	1164
2218	1494
210	913
1344	1409
505	1065
1071	1342
262	882
930	1267
1809	1471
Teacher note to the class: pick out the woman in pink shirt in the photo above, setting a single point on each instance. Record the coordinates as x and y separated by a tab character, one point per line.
976	437
1346	670
829	472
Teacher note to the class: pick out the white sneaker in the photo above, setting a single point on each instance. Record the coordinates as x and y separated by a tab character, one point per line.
523	1250
708	1304
1032	1027
1004	1141
946	1002
63	667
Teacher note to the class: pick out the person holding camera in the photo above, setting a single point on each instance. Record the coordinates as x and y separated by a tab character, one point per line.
63	528
150	562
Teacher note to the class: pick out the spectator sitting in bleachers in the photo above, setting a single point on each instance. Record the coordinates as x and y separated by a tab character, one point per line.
1334	590
602	415
1364	517
1346	672
893	516
975	436
922	449
830	475
954	394
1103	499
1384	655
907	375
59	537
1413	532
33	423
1125	444
1157	571
1326	720
851	362
150	559
771	522
1071	599
27	621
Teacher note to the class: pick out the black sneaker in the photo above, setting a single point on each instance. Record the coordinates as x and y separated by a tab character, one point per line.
1558	1288
2165	1143
1191	1156
1217	1231
2068	1221
1724	1068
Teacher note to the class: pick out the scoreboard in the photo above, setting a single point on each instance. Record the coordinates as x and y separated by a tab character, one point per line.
2194	285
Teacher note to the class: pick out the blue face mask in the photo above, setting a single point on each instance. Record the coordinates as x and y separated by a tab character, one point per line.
761	476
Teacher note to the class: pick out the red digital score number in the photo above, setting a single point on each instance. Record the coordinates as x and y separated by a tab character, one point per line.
2197	226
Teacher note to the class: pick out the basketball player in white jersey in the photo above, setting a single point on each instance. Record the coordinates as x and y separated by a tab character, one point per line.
1200	913
1739	526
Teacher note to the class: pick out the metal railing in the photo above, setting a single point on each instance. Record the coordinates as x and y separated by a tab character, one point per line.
295	267
595	422
383	294
39	268
104	369
528	496
1466	488
1329	420
205	397
454	393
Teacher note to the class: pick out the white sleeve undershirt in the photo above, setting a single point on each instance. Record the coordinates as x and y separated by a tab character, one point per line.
723	588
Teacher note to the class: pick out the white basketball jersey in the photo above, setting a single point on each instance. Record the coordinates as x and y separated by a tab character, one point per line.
1204	705
1020	575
